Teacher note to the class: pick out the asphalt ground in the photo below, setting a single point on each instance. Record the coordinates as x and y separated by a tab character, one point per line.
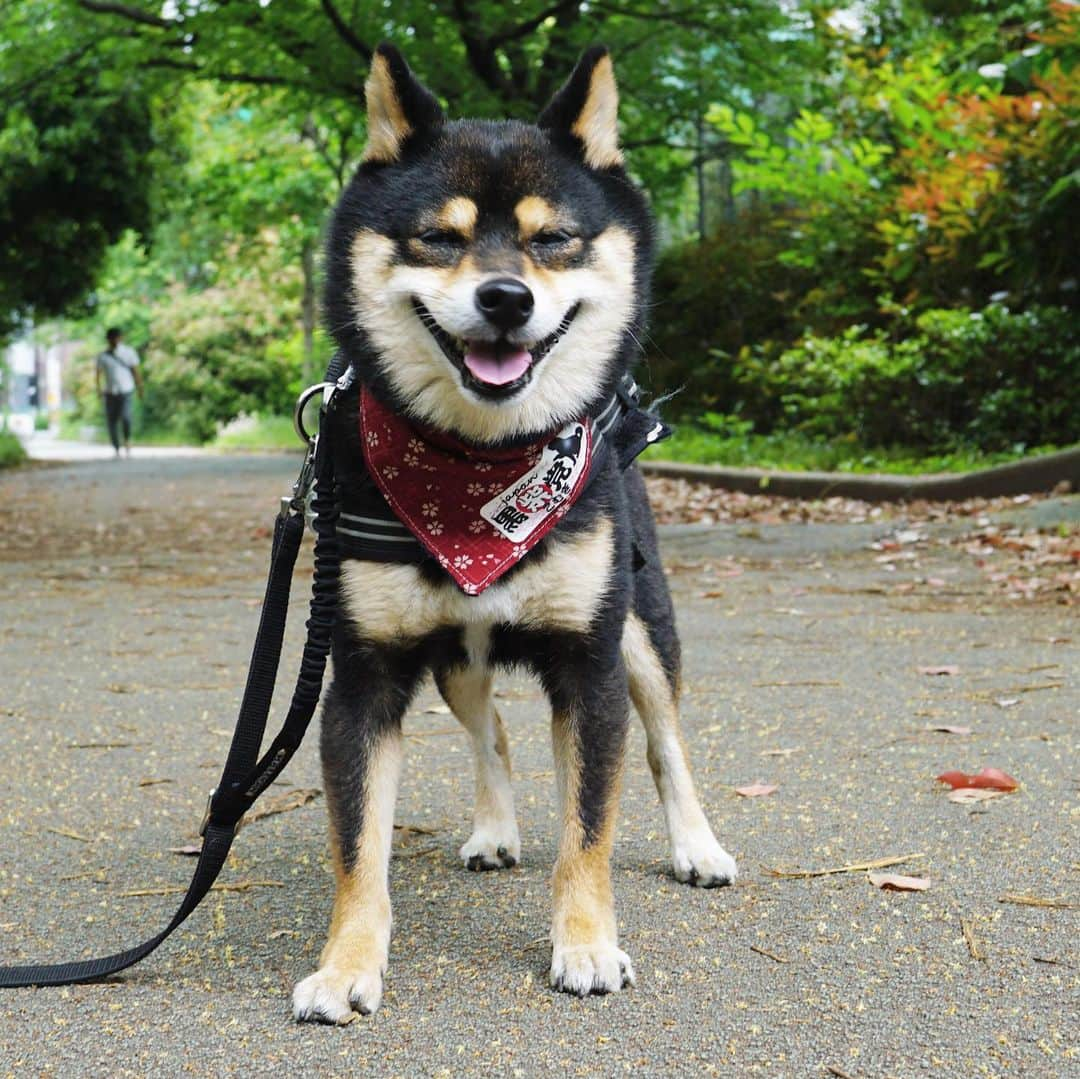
129	595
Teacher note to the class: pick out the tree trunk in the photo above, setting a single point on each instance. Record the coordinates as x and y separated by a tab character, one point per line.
700	169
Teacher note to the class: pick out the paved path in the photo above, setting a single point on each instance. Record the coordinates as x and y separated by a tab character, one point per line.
128	599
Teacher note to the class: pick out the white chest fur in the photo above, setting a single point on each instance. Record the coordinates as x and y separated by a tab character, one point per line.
562	591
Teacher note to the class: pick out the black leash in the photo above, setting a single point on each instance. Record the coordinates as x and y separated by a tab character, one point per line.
246	775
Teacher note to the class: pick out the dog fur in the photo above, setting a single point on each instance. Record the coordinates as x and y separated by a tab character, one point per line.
436	209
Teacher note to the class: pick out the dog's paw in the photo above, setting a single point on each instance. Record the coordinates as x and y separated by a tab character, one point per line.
701	861
332	995
492	848
590	968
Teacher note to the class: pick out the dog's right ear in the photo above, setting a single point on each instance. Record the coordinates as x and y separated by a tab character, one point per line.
399	106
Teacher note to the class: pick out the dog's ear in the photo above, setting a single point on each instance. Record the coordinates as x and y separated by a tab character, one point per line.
584	112
399	106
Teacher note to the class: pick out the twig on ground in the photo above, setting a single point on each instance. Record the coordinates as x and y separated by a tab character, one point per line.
854	867
972	942
1037	901
179	889
768	955
70	834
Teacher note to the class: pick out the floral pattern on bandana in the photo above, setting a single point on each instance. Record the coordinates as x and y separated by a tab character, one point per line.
477	512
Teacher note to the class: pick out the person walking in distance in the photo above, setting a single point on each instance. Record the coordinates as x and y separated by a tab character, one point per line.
118	369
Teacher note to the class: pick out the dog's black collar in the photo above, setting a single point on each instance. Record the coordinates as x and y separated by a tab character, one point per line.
369	530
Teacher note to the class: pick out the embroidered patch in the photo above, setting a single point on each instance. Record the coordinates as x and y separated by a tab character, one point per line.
519	510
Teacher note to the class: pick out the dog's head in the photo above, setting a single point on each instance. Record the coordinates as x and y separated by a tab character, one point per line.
490	278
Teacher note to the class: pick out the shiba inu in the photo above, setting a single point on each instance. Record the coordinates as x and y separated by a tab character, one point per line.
488	283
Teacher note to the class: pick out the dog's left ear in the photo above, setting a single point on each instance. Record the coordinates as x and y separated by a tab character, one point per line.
399	106
584	113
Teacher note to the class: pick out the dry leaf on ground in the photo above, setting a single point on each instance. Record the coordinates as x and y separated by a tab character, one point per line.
756	790
293	799
897	882
988	778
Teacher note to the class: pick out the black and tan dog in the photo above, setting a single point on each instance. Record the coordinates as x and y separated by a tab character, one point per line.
488	282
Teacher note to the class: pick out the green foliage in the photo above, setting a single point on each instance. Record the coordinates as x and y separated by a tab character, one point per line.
715	439
991	379
73	176
11	450
260	434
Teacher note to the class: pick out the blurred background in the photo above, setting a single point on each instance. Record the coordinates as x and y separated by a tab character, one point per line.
868	212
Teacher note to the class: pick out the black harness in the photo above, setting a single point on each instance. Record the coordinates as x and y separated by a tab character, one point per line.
625	429
369	530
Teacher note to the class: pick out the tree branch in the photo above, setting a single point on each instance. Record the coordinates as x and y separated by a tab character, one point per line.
344	31
527	27
126	11
248	78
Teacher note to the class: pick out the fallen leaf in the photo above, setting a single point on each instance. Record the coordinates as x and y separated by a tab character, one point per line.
756	790
934	671
897	882
282	804
969	794
946	729
715	594
988	778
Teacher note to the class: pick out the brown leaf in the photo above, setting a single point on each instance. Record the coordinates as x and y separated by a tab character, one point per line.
293	799
756	790
897	882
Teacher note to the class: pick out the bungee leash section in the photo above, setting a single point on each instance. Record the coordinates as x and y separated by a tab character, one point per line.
247	774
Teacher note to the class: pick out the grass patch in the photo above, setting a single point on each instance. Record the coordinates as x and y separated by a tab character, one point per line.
11	450
794	452
259	434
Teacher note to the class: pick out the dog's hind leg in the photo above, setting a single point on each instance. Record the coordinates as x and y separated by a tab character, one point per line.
494	843
696	856
361	756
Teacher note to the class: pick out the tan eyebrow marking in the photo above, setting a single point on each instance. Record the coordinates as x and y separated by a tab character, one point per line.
458	214
535	214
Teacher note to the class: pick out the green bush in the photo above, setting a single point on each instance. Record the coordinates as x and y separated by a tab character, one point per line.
991	379
11	450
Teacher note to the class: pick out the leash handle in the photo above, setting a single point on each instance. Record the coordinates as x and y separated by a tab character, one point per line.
245	776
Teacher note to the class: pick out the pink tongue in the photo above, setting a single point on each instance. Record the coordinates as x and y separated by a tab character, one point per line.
488	364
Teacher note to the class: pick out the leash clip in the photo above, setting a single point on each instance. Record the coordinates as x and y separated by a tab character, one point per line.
206	813
297	501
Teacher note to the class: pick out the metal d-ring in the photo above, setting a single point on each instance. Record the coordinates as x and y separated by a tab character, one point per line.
301	404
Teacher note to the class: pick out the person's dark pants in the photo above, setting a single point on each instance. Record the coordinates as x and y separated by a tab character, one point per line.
118	418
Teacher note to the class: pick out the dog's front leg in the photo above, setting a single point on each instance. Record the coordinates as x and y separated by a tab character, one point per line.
361	755
589	734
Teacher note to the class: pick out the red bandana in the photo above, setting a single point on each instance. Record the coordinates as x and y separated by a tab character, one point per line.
477	511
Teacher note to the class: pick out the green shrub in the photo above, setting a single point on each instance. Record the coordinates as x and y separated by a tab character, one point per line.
992	379
11	450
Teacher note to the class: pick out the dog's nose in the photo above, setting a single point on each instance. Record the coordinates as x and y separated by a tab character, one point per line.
506	302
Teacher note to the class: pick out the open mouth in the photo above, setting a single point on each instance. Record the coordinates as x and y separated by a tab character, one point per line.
493	369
